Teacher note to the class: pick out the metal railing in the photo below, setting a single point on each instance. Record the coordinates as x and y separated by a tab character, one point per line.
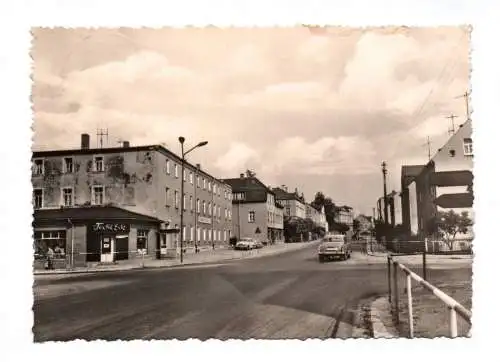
454	307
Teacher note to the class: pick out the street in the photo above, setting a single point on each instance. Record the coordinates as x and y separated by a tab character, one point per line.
289	295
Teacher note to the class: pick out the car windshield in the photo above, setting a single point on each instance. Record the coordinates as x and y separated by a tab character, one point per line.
334	242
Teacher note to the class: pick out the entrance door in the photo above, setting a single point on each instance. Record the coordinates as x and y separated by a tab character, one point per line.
107	249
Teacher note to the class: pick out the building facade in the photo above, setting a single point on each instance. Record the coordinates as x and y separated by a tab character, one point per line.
256	214
445	183
144	180
317	216
344	215
294	204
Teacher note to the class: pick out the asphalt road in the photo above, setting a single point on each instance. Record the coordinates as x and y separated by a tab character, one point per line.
289	295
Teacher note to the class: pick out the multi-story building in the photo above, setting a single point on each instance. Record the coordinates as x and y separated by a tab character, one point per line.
444	183
256	214
317	216
293	203
107	203
344	215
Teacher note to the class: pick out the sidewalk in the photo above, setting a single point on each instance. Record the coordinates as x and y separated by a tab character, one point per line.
203	257
432	260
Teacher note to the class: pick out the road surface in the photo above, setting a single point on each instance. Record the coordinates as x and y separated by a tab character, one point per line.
289	295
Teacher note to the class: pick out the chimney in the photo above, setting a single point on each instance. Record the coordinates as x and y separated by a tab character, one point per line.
296	191
198	166
85	141
242	175
126	144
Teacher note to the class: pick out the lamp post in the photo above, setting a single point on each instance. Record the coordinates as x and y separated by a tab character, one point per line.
201	144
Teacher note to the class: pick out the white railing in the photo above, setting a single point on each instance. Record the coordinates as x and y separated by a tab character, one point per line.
453	306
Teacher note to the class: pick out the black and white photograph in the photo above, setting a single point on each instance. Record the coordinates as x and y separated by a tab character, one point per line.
252	183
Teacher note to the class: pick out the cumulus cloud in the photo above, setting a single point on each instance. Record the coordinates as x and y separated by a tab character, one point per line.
237	157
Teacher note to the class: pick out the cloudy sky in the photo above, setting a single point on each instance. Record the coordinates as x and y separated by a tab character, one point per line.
315	109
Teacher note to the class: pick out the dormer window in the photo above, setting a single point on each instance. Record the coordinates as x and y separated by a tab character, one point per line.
468	146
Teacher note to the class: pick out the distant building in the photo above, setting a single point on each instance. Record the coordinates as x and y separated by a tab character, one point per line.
344	215
408	175
293	203
317	216
256	213
444	183
119	200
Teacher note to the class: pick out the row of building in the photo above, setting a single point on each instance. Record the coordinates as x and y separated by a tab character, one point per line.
442	184
106	204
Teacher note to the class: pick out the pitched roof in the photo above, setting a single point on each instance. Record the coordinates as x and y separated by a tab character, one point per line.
91	213
254	189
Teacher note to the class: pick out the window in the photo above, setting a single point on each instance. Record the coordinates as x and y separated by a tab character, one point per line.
176	170
198	234
97	195
209	208
184	204
38	167
215	188
191	178
98	164
219	235
167	196
167	168
209	235
176	199
198	206
67	196
218	212
204	234
198	180
38	198
68	165
142	239
191	203
287	210
204	208
229	214
251	216
51	243
192	234
204	184
468	146
184	233
210	186
225	213
184	175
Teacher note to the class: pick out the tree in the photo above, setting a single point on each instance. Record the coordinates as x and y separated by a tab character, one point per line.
450	224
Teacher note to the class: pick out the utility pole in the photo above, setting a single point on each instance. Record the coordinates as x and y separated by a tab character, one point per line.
467	108
384	173
451	131
428	144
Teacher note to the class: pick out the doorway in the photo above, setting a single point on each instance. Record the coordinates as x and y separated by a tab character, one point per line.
108	245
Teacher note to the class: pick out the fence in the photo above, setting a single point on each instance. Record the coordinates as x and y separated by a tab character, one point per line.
453	306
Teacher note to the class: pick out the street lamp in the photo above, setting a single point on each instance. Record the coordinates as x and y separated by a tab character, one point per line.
201	144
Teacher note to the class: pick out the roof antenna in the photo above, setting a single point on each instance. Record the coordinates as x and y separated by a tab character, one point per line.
100	134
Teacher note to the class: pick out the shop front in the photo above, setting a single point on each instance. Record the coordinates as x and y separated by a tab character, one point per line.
70	237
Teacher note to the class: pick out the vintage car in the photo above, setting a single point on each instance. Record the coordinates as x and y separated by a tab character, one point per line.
334	246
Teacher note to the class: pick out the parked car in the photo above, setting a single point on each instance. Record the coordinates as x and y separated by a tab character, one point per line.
334	246
258	244
246	244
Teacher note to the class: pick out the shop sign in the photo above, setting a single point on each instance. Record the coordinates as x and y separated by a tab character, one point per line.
204	220
110	227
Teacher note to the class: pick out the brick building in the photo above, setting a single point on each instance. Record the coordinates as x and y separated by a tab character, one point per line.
129	197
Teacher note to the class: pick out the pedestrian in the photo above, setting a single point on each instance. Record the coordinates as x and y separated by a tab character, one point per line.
50	256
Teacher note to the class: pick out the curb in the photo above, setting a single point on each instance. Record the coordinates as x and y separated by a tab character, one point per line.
176	265
380	311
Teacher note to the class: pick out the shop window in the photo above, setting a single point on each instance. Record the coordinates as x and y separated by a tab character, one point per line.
50	244
142	239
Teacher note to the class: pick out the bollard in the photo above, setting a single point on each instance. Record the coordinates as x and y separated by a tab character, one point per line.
410	304
453	323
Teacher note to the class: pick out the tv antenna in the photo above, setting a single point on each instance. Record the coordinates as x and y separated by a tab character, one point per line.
466	97
452	129
100	135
